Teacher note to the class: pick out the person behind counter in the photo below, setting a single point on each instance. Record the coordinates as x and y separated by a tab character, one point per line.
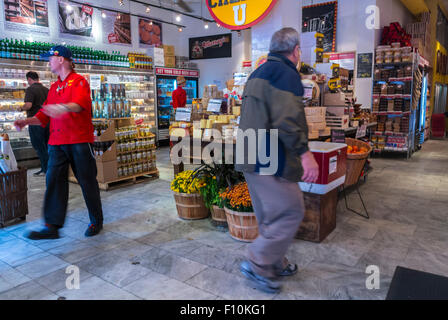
68	109
35	96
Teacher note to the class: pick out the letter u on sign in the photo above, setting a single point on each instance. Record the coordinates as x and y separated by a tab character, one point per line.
236	11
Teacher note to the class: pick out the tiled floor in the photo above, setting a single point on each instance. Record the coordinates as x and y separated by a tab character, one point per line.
147	252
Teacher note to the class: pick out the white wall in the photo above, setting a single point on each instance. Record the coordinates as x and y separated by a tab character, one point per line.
392	11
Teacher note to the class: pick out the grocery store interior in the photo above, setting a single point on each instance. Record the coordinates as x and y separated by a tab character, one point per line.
377	115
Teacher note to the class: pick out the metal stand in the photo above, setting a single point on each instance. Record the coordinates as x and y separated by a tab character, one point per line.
366	216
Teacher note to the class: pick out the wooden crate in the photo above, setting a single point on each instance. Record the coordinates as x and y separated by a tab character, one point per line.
338	122
320	216
13	196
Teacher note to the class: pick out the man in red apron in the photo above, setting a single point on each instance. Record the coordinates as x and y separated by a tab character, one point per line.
68	109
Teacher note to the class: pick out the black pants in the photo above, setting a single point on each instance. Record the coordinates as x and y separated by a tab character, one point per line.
83	164
39	139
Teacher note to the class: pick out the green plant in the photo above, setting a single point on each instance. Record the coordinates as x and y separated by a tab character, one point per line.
210	193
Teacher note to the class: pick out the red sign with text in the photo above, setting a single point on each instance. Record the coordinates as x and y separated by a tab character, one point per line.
177	72
87	9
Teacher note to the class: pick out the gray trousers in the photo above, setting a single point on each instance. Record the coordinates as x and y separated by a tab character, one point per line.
279	207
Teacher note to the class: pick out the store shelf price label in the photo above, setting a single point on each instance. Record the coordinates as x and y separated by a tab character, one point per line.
214	105
238	15
95	81
183	114
113	79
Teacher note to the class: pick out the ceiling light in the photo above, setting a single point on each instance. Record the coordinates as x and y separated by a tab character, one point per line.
206	25
148	9
180	29
103	15
218	25
150	23
178	18
120	2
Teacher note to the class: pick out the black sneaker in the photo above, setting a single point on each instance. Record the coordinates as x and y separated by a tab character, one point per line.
93	230
39	173
48	232
261	283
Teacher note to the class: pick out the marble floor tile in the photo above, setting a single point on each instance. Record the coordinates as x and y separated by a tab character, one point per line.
130	249
427	261
173	266
182	247
56	280
95	288
159	287
223	259
43	266
15	250
27	291
228	286
10	278
113	268
6	236
75	252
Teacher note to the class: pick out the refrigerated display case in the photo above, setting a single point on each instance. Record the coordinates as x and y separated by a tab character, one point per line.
166	84
139	95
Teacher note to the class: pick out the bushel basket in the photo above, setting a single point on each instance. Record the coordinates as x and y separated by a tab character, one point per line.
355	162
13	196
190	206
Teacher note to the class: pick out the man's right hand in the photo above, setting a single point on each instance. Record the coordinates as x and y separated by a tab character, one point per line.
20	124
310	168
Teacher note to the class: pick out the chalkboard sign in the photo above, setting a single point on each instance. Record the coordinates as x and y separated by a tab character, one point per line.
322	18
338	136
365	64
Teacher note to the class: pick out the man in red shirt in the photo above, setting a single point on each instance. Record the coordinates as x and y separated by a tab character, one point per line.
68	109
179	95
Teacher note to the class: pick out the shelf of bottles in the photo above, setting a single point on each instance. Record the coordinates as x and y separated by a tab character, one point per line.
28	50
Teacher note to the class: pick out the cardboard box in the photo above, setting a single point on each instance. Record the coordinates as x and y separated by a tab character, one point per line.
109	155
107	171
168	50
334	99
170	62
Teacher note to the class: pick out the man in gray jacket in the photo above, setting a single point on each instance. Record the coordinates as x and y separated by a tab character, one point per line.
272	101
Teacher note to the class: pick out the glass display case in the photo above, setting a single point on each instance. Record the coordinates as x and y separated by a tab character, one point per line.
137	96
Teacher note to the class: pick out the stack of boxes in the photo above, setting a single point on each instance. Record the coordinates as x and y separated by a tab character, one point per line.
312	47
317	125
170	59
421	34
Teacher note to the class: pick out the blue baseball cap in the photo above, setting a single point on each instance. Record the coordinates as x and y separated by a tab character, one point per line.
58	51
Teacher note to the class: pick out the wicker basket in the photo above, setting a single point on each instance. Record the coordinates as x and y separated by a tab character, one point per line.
219	216
190	206
355	162
13	196
243	226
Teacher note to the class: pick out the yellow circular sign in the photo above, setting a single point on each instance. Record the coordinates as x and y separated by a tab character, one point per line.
239	14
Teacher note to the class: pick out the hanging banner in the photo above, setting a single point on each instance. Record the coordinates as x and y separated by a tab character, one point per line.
26	16
211	47
116	27
150	33
238	15
75	19
322	18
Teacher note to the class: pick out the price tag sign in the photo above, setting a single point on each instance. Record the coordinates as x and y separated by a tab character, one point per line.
183	114
361	132
95	81
113	79
338	136
214	105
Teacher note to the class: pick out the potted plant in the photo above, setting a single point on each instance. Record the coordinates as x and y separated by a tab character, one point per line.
239	212
217	177
189	203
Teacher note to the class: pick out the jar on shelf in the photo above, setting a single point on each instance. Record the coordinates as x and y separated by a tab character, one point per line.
388	58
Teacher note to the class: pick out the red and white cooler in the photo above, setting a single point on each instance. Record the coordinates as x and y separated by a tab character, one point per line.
332	160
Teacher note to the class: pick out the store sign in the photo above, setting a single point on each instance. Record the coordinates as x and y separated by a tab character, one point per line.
322	18
177	72
26	16
75	19
365	65
116	27
338	136
183	114
361	131
211	47
214	105
239	14
95	81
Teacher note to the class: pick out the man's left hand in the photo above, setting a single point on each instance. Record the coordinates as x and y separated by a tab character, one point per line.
55	110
